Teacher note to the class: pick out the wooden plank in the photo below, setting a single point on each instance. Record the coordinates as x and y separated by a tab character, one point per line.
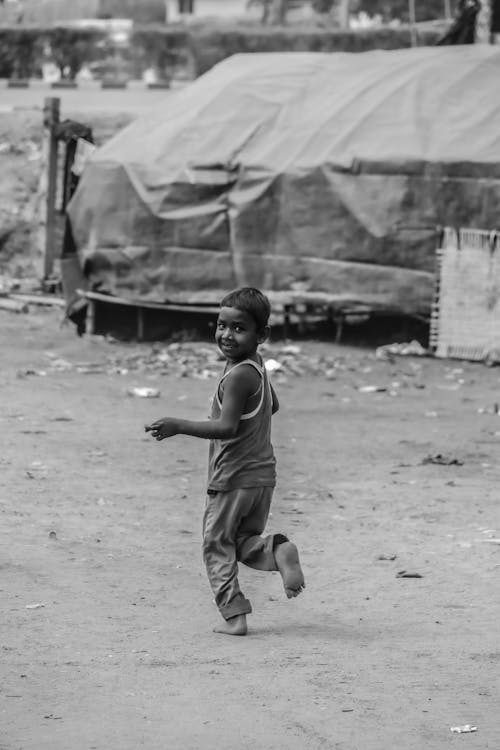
12	305
51	111
303	310
278	300
35	299
146	304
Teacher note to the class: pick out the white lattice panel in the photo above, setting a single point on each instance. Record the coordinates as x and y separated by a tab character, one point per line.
466	312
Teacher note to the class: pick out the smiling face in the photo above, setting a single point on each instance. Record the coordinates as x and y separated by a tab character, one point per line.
236	334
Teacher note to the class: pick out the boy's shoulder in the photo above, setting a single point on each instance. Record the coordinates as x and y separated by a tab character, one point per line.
245	375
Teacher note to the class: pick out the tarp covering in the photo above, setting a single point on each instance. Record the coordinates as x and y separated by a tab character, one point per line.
325	172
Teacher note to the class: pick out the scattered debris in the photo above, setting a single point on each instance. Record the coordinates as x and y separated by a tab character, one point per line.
387	557
463	729
43	300
272	365
495	409
411	349
90	368
96	454
192	360
144	392
490	541
492	357
24	146
38	605
442	460
407	574
37	470
291	349
12	305
371	389
61	365
30	371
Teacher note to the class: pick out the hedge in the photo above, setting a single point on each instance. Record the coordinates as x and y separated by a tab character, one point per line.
209	47
164	49
425	10
23	50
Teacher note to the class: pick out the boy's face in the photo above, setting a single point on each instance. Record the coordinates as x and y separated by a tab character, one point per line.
236	335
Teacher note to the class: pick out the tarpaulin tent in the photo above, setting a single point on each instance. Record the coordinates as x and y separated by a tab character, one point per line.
326	172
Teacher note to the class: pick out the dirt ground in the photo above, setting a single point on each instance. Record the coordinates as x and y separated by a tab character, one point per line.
107	617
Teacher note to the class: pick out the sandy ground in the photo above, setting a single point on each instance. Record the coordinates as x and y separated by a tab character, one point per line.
101	526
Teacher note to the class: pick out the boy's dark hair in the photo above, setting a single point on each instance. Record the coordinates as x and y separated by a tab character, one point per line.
251	301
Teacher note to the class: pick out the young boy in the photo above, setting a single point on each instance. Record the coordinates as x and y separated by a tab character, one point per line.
241	472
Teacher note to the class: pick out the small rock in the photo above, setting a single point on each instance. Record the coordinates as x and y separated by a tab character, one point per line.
407	574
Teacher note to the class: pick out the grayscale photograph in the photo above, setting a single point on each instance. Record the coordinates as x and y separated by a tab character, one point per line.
249	374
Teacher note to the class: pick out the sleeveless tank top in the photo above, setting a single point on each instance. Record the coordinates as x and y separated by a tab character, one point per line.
246	460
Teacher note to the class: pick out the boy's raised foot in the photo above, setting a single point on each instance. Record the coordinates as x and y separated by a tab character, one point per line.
234	626
287	560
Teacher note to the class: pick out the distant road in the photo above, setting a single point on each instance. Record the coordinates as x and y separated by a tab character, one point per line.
88	97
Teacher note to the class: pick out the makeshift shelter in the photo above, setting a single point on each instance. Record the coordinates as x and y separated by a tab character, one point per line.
321	172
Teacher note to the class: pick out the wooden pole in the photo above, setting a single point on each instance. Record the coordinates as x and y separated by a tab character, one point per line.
413	29
51	115
447	9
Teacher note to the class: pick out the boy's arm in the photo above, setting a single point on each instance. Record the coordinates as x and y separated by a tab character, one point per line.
237	387
276	403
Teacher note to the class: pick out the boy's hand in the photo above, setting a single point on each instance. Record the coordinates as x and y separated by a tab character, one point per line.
163	428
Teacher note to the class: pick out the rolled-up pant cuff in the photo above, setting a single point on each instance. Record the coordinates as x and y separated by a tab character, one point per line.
239	606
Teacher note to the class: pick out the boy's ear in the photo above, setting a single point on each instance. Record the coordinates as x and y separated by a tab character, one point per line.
263	334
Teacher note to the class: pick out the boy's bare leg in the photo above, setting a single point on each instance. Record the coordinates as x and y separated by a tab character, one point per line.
234	626
288	564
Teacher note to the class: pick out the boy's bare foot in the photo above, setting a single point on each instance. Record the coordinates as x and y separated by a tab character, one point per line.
234	626
287	560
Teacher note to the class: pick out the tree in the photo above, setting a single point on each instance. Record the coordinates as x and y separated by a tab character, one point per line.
323	6
343	13
278	12
273	11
